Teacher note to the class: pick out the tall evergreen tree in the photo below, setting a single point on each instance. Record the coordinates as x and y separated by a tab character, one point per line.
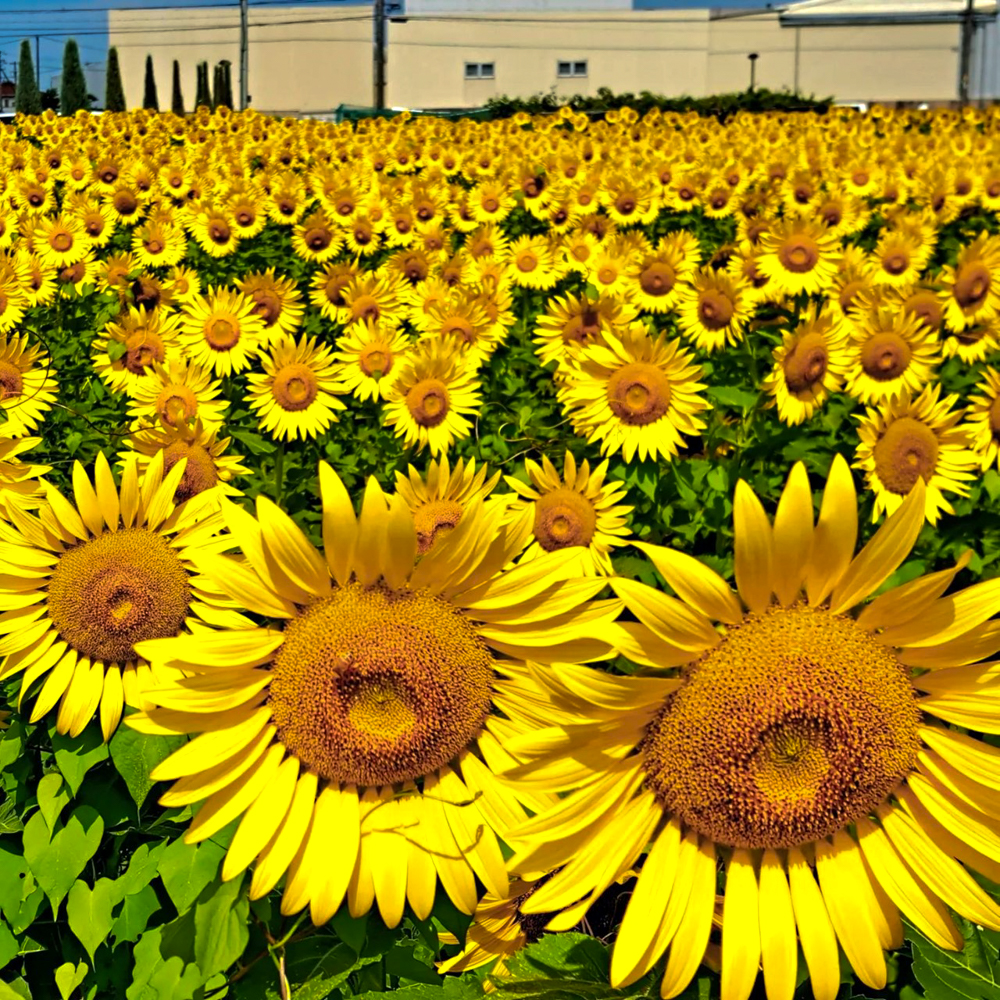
149	98
27	97
223	96
73	95
203	96
216	85
114	92
176	97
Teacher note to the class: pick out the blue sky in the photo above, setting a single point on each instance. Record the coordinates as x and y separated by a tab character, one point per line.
86	20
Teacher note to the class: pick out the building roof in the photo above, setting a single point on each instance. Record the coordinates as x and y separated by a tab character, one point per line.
884	11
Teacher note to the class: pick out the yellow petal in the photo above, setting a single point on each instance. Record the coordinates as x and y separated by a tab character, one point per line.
836	533
740	928
753	550
793	535
288	546
112	702
973	757
778	952
277	855
695	583
672	620
949	617
421	875
340	525
86	501
210	749
107	494
372	524
128	496
819	942
389	857
243	585
337	836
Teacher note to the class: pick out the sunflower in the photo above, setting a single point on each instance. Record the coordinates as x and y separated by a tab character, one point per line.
898	259
95	578
570	323
634	394
157	244
316	239
128	348
462	322
327	290
712	310
80	278
184	284
206	464
371	298
577	510
809	365
27	388
799	749
176	395
974	343
439	502
277	300
370	355
60	240
889	351
214	232
297	394
430	399
533	264
799	255
983	419
655	277
970	291
907	439
37	284
357	735
21	483
13	300
221	330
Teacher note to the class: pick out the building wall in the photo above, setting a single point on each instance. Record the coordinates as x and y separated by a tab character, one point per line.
311	59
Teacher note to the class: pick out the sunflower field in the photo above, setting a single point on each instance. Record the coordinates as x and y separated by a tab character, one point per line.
548	557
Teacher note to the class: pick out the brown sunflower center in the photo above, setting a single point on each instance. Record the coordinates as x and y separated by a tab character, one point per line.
295	387
376	360
972	285
896	263
908	449
885	356
657	278
125	203
428	402
219	232
142	350
334	287
94	223
176	404
926	307
267	305
433	519
365	307
222	333
799	254
625	204
374	686
564	518
806	363
715	309
11	381
318	239
61	242
639	393
118	589
797	723
200	473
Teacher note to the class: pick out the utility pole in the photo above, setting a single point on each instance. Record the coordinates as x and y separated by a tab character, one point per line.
244	54
378	66
968	26
753	70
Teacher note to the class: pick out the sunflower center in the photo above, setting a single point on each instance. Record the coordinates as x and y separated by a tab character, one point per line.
657	278
376	360
335	287
375	686
437	517
219	232
607	275
796	724
222	334
895	263
799	254
295	387
268	306
153	246
972	284
365	307
126	203
564	518
993	417
584	328
885	356
639	393
11	381
925	306
118	589
715	309
526	261
318	239
428	402
200	473
62	242
906	450
142	350
805	364
176	404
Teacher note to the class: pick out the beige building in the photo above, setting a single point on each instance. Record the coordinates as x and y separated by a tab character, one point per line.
459	53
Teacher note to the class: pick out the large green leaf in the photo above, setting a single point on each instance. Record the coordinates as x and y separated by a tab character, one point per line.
220	926
187	868
75	757
56	861
89	912
136	754
969	974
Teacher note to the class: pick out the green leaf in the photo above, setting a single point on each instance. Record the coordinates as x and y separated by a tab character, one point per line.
733	396
158	976
89	912
563	956
69	976
20	897
9	820
969	974
135	913
75	757
136	754
53	796
451	988
57	861
16	990
186	869
141	868
9	948
220	926
320	964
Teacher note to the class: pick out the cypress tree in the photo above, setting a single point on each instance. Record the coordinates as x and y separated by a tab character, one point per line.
225	95
73	91
203	97
149	98
27	98
177	98
216	85
114	93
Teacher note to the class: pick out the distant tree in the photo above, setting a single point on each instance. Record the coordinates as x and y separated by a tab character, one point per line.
216	85
222	94
203	96
27	99
114	92
176	97
73	92
149	98
50	99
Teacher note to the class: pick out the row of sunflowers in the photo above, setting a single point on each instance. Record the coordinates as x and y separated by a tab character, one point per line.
540	638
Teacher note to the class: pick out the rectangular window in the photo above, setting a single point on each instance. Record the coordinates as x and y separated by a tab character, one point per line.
571	69
479	71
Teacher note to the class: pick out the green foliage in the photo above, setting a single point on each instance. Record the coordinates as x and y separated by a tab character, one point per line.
203	96
27	98
114	97
176	97
149	98
73	95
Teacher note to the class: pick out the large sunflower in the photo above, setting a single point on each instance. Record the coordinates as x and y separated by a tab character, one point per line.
712	309
909	438
800	740
983	419
570	322
85	582
177	394
799	255
222	331
358	736
128	348
277	301
27	388
21	482
577	510
370	355
634	394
